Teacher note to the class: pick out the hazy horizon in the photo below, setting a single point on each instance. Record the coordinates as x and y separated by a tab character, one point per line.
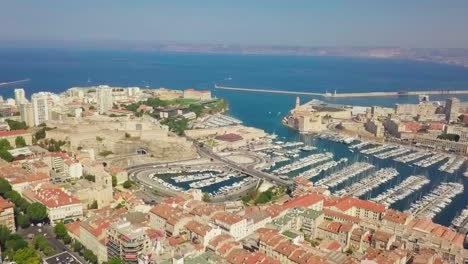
300	23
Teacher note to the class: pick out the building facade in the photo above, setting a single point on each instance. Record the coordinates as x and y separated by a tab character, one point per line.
104	99
40	108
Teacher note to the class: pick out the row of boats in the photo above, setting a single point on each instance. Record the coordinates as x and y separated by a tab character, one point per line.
431	160
344	174
315	171
461	220
393	153
453	164
410	185
228	188
366	185
433	203
304	162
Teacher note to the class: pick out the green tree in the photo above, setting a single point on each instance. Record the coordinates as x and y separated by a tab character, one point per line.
60	230
4	235
5	155
77	246
37	212
94	205
89	256
114	180
16	125
22	220
40	134
5	144
90	178
15	242
197	109
27	256
4	186
127	184
20	142
206	197
115	261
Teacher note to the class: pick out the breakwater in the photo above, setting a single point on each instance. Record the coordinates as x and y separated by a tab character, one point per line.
346	95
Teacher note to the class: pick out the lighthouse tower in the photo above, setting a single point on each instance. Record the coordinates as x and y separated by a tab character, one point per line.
298	102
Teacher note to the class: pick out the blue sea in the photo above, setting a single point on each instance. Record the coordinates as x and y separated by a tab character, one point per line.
58	70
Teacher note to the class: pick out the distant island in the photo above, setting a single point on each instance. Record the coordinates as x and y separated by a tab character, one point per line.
453	56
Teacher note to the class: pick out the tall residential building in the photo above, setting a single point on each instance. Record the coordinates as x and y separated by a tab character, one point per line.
26	113
452	109
40	108
104	99
126	241
20	96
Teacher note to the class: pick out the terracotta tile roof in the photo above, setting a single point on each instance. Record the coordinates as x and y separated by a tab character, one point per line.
101	219
286	248
220	239
227	218
302	180
274	210
383	236
396	217
333	245
304	201
227	247
207	209
260	258
174	200
5	204
237	256
13	133
73	227
51	196
198	228
339	215
272	240
329	226
346	203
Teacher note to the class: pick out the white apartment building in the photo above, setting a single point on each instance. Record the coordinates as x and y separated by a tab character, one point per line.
60	205
104	98
20	96
26	113
40	108
233	224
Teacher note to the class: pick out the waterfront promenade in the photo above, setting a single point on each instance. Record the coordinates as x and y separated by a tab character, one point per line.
344	95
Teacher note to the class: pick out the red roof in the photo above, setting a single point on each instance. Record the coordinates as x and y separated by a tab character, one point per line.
52	196
346	203
13	133
4	204
304	201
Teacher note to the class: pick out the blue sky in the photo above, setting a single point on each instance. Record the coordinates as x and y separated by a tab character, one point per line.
405	23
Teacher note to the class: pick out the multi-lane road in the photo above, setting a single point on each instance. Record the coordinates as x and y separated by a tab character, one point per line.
152	190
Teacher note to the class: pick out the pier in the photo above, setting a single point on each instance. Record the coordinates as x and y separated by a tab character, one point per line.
344	95
13	82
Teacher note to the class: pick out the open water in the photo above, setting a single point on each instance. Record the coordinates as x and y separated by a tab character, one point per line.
58	70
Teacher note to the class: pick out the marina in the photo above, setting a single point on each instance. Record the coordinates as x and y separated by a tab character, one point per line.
412	157
304	162
434	202
378	149
366	185
461	221
405	188
452	165
393	153
346	173
309	174
429	161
